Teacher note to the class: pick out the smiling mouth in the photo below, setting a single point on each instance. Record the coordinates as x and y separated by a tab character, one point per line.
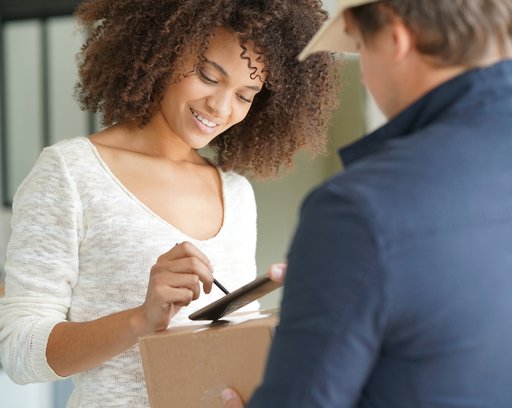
203	120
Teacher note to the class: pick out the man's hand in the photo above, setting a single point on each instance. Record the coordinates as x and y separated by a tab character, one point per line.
231	399
277	272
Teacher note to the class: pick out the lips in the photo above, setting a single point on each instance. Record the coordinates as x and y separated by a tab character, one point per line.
203	120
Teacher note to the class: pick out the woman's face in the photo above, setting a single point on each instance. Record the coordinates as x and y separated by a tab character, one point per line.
215	96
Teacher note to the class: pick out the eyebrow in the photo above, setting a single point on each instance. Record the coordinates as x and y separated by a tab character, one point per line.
223	72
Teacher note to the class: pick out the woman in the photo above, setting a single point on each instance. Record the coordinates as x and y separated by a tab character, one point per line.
115	234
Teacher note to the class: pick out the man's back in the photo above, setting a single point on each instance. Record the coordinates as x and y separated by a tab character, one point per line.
441	202
406	300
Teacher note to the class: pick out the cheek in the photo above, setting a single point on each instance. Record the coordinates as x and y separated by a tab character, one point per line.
187	89
241	112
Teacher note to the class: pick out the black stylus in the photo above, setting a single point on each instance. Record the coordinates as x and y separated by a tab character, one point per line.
220	286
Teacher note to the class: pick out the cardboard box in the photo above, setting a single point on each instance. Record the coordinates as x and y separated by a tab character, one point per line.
189	366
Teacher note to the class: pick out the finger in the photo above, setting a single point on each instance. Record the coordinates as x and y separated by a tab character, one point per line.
180	280
158	288
189	250
164	295
179	296
231	399
277	272
192	266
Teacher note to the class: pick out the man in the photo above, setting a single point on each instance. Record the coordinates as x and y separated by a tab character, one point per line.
399	285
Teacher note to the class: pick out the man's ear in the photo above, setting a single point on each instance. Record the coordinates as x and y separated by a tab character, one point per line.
403	39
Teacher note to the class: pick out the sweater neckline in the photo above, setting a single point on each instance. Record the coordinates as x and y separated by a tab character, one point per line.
144	207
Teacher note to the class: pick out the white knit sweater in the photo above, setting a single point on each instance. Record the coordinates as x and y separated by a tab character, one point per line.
81	248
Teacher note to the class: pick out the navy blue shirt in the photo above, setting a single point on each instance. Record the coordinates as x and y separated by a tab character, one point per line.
399	285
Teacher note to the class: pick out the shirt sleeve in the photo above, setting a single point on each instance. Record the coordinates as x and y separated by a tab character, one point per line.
41	268
332	312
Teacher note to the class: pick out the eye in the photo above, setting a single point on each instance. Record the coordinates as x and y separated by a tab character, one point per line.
244	99
205	77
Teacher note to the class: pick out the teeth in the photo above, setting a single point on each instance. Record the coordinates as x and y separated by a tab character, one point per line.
204	121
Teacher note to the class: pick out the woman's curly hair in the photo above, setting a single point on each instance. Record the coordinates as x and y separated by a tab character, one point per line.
136	48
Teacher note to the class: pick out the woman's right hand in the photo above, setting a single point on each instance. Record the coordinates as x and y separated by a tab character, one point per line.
174	282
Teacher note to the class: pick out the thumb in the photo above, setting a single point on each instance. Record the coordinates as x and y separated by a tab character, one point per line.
231	399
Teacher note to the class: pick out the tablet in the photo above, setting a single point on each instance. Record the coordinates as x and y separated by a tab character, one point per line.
236	299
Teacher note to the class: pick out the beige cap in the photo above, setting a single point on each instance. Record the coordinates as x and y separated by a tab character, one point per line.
332	35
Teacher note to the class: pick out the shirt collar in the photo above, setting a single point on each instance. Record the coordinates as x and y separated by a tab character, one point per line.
436	103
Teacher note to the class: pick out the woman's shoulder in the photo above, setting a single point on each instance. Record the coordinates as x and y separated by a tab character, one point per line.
74	152
234	181
68	159
60	153
70	146
53	169
238	190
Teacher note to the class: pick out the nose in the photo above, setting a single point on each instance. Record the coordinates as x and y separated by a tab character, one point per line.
220	104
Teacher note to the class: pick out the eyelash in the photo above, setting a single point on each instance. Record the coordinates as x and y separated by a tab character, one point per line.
208	80
205	78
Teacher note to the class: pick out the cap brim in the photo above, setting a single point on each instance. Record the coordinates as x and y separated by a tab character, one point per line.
332	35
